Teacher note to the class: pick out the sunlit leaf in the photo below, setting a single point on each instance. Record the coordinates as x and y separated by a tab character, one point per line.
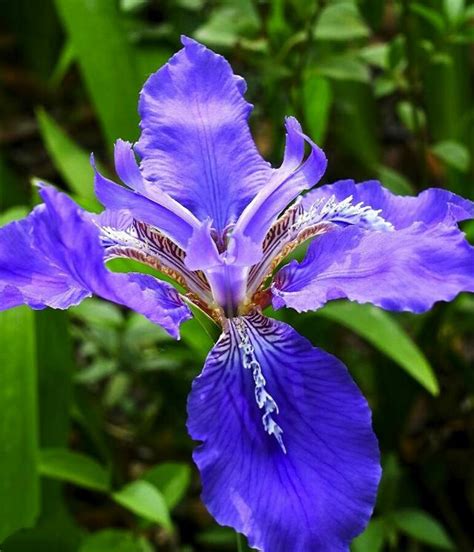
340	21
145	500
454	10
454	154
343	67
73	467
228	23
384	333
411	116
19	484
172	479
421	526
376	55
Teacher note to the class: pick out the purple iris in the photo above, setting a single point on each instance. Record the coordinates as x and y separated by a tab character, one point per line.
288	455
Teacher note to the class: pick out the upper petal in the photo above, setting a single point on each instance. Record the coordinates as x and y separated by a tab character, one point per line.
53	258
408	269
195	142
303	477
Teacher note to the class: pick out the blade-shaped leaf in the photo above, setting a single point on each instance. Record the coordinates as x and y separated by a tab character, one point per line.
421	526
73	467
56	529
384	333
69	159
19	483
107	63
317	101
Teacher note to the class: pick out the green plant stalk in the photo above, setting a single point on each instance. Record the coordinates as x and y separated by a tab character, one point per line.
414	91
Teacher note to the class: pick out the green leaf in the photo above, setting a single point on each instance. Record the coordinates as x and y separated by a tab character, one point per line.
69	159
454	10
197	339
132	5
384	333
340	21
376	55
98	312
55	529
117	388
116	540
172	479
371	539
73	467
96	371
14	213
407	116
394	181
145	500
227	24
206	322
107	63
65	61
317	101
429	15
343	67
421	526
453	154
19	484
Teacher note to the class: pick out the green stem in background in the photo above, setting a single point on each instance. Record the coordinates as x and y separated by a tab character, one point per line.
414	90
305	44
240	546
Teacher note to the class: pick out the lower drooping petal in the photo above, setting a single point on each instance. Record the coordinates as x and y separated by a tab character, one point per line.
408	269
53	258
309	485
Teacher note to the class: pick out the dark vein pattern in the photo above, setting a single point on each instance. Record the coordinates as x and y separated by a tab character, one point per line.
146	244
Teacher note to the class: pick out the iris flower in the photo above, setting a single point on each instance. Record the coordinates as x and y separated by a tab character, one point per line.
287	456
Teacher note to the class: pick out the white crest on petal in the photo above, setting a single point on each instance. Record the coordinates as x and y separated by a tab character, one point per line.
345	212
264	400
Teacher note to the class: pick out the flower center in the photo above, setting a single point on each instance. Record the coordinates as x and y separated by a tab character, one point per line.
229	287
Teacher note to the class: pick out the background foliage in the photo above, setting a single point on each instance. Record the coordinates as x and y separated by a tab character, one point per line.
94	454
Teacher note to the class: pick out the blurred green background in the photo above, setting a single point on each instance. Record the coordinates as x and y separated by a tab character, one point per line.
94	454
